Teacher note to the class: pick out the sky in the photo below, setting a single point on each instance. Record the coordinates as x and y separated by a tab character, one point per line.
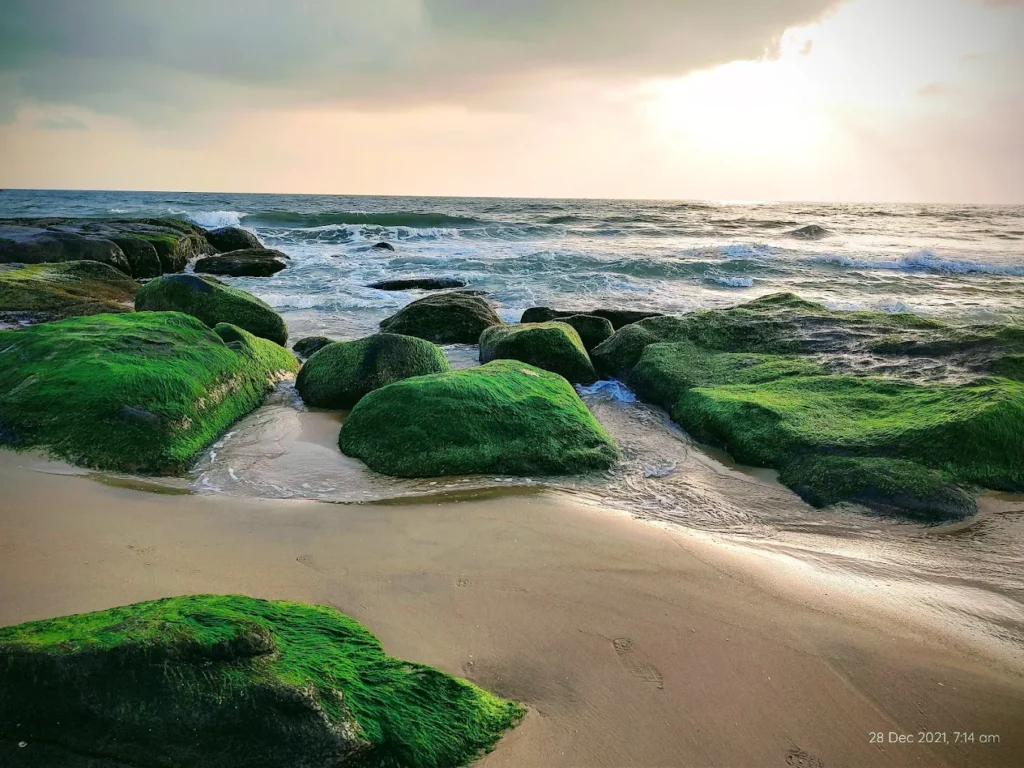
832	100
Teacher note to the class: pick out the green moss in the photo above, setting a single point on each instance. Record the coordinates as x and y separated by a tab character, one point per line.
970	432
141	392
884	484
175	251
307	346
505	417
223	681
458	317
665	371
65	289
591	328
212	302
340	374
553	346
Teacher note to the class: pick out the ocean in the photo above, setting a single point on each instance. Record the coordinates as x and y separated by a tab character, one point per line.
963	264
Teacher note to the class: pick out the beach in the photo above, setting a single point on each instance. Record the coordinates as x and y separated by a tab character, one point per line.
631	644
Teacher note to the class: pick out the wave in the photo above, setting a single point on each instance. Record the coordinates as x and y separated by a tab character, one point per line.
926	261
293	220
732	282
212	219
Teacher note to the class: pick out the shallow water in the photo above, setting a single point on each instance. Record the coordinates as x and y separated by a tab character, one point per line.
964	264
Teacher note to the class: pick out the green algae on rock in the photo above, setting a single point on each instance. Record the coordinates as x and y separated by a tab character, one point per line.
42	292
553	346
251	262
142	392
226	239
445	318
505	417
591	328
305	347
225	681
342	373
212	302
619	318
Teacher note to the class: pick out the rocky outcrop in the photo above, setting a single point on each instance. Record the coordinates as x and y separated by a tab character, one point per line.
505	418
253	262
212	302
617	317
554	346
382	247
227	239
418	283
43	292
342	373
225	681
444	318
141	392
306	347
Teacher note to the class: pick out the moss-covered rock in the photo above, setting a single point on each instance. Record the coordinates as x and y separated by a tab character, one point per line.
884	484
667	370
141	392
212	681
212	302
342	373
142	256
591	328
553	346
505	417
445	318
30	245
226	239
619	318
42	292
253	262
307	346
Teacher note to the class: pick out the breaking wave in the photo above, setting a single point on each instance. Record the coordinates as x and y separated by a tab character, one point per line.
926	261
290	219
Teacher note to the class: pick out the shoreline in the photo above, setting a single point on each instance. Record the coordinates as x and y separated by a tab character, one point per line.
631	644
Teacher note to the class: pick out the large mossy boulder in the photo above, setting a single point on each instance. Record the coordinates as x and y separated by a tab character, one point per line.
42	292
251	262
141	392
305	347
445	318
554	346
592	329
31	245
212	302
342	373
504	417
619	318
224	681
226	239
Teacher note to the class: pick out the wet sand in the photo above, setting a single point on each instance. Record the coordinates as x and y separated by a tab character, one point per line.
632	645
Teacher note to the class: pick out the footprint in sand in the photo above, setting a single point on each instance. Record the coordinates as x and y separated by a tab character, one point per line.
309	562
464	581
641	670
797	758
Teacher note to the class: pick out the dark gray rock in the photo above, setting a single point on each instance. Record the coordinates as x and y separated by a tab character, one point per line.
252	262
617	317
422	283
227	239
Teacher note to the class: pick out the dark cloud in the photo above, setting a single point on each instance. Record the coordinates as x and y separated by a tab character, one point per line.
156	59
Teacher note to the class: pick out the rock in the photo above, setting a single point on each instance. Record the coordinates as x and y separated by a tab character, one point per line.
253	262
554	346
886	485
383	247
342	373
43	292
444	318
504	417
617	317
128	244
422	283
811	232
212	302
28	245
87	387
212	681
226	239
307	346
591	328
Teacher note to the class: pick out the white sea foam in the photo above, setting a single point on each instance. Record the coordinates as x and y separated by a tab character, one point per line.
607	389
735	282
214	219
926	261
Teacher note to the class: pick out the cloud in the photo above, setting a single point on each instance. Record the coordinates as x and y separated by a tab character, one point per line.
66	123
156	61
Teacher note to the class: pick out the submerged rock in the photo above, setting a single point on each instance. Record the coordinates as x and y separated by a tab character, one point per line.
504	417
617	317
446	318
211	681
340	374
212	302
421	283
307	346
141	392
42	292
226	239
810	232
554	346
382	247
252	262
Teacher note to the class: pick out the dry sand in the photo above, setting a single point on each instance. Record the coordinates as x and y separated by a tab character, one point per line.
632	645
